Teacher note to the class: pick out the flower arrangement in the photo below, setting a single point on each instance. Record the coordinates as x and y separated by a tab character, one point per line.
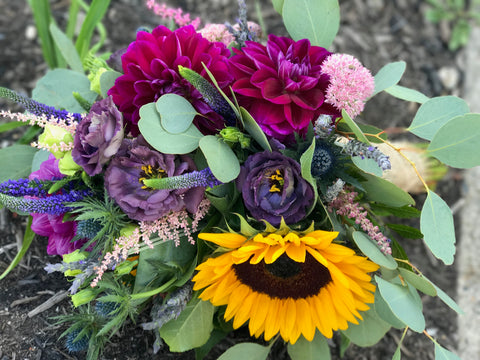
219	179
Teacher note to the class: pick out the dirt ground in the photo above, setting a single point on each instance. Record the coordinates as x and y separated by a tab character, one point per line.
375	31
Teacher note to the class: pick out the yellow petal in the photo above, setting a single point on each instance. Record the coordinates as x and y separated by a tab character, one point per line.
272	321
304	319
227	240
295	252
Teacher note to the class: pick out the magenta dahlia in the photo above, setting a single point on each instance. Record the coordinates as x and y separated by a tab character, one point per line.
150	67
281	84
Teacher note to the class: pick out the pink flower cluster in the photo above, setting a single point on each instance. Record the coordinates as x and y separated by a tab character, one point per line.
345	205
217	32
169	13
167	228
351	84
70	124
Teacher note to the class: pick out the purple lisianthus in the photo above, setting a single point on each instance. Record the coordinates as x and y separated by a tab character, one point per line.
98	136
272	187
135	162
281	84
150	67
60	233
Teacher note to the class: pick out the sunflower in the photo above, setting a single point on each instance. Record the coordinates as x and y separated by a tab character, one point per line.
292	284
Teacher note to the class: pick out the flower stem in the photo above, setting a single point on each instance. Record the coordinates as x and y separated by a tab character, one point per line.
150	293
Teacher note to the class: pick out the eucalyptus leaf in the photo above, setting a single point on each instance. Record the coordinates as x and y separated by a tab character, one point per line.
16	161
404	303
151	128
444	354
176	113
354	127
220	158
371	250
456	143
436	224
244	351
436	112
388	76
368	331
310	350
419	282
278	5
398	353
191	329
384	192
368	165
56	89
315	20
407	94
385	313
107	80
254	130
447	299
39	157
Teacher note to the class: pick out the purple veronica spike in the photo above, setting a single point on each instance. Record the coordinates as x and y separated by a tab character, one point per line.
23	187
203	178
37	108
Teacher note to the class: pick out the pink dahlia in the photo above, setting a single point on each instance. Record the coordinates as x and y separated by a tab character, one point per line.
351	84
150	67
281	84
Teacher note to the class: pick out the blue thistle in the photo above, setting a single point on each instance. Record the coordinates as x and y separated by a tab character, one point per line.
357	148
74	345
36	108
105	308
210	94
324	159
88	228
192	179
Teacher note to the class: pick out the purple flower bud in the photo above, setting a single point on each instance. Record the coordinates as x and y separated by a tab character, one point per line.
98	136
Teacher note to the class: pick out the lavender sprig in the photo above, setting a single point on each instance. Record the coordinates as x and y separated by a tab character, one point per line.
357	148
36	108
244	33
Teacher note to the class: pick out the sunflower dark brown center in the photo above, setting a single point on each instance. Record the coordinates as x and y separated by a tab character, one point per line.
285	278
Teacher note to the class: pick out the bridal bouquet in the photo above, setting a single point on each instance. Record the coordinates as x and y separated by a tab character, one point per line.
214	178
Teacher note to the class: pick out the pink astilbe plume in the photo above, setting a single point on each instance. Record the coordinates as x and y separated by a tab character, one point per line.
69	124
169	228
345	205
169	13
62	146
217	32
351	84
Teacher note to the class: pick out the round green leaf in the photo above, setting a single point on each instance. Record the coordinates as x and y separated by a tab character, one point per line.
16	161
419	282
244	351
220	158
151	128
191	329
369	331
107	80
448	300
370	249
436	112
384	312
367	165
456	143
444	354
176	113
436	225
388	76
407	94
315	20
384	192
404	302
310	350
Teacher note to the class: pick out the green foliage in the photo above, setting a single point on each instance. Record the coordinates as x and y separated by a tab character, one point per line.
370	249
310	350
404	302
352	125
368	165
444	354
405	231
56	89
107	80
254	130
419	282
388	76
16	161
250	351
66	48
406	94
306	171
436	225
316	20
150	126
435	113
447	300
456	143
220	158
385	192
385	313
176	113
191	329
368	331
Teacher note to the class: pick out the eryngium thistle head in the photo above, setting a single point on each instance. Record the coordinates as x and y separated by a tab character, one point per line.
74	345
105	308
88	228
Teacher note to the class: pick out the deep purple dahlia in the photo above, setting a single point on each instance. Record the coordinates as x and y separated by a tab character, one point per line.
281	84
136	161
150	67
60	233
98	137
272	187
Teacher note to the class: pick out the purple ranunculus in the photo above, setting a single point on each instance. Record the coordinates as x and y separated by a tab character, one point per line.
98	136
281	84
136	161
60	233
272	187
150	67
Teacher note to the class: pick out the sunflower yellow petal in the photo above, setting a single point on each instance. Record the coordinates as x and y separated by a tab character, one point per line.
226	240
319	257
295	252
259	313
272	320
244	310
304	319
235	300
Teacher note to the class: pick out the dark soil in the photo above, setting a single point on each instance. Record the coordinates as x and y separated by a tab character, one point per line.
375	31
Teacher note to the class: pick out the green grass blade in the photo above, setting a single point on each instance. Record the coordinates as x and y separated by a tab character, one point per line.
11	125
72	18
42	15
